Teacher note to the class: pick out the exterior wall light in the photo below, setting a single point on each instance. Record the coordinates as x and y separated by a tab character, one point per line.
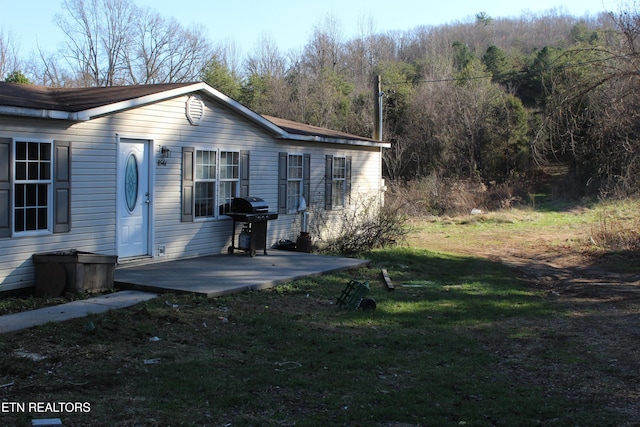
165	153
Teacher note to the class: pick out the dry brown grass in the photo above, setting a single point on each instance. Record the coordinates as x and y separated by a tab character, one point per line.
617	229
436	196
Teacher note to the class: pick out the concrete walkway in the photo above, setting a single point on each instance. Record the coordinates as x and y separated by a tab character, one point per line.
71	310
210	276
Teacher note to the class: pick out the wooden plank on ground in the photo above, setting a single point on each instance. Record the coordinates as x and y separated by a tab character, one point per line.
387	280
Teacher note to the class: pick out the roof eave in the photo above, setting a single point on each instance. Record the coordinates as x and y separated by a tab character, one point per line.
36	113
343	141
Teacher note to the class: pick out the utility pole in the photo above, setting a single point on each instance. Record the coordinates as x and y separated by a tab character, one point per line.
377	97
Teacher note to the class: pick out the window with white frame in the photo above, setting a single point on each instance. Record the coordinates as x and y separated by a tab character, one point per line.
294	176
339	181
294	182
33	182
229	179
217	180
205	183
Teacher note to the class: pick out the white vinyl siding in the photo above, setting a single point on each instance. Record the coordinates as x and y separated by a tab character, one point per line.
93	181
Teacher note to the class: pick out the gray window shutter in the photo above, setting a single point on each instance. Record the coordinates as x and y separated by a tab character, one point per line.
187	183
306	178
282	182
328	182
5	187
61	186
244	173
347	181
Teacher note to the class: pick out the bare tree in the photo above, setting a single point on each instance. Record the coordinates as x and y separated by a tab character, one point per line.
227	52
266	59
325	49
9	58
188	56
299	90
97	34
103	47
47	71
145	58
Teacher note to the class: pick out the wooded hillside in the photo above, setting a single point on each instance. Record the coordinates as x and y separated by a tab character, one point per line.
485	101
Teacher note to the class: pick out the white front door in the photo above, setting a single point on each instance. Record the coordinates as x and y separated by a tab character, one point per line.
133	198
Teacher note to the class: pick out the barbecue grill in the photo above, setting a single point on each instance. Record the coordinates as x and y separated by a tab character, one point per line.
254	213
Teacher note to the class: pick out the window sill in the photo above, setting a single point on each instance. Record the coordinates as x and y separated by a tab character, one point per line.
31	233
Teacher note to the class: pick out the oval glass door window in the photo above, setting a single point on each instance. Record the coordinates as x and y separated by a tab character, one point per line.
131	182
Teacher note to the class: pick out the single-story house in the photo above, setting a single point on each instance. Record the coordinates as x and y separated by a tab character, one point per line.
149	172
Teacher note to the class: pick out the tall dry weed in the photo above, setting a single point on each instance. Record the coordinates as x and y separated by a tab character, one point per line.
435	196
615	233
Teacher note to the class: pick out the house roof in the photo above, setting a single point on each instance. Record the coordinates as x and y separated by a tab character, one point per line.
81	104
309	130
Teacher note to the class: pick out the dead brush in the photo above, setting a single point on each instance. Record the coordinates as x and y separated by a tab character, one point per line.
435	196
369	228
616	234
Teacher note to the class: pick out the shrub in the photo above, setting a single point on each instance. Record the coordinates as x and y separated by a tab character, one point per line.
367	228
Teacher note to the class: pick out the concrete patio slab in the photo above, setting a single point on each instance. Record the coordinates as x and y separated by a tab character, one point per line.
224	274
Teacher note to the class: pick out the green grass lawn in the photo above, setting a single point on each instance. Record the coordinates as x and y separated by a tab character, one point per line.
461	341
290	356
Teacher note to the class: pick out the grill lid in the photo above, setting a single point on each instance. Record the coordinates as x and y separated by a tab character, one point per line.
249	205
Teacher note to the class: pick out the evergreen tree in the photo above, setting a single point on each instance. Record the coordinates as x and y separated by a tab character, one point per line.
17	77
